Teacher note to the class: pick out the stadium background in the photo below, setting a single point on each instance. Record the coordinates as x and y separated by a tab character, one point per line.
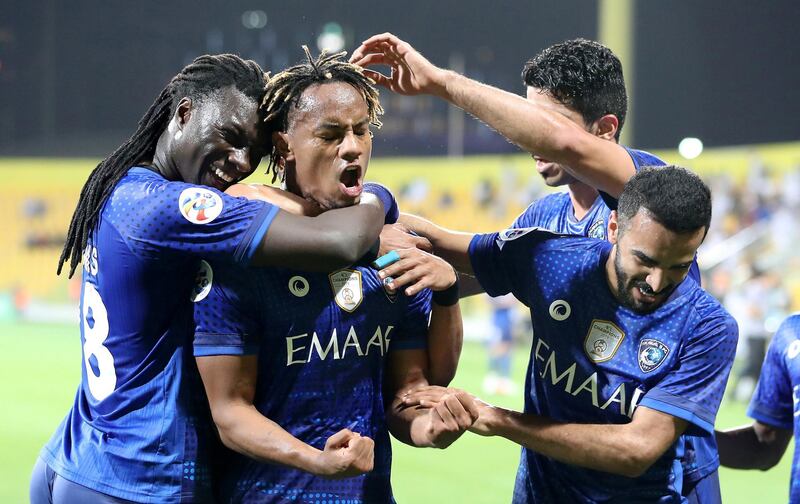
74	79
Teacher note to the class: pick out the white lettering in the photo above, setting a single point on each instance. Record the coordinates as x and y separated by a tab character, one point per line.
591	385
569	373
333	342
386	337
617	397
290	349
376	340
635	401
352	341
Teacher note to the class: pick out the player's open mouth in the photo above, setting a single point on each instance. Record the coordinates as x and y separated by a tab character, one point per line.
350	180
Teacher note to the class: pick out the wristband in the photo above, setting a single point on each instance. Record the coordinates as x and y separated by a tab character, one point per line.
447	297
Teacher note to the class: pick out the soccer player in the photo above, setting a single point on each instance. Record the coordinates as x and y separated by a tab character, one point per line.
138	428
775	407
570	123
628	353
304	372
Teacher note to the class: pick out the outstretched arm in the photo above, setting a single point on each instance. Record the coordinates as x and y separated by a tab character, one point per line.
334	239
625	449
596	161
756	446
230	383
452	246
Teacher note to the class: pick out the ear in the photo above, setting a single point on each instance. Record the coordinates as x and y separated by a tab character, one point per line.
613	228
606	127
281	142
184	111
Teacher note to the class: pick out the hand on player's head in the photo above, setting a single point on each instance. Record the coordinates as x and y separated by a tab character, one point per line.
346	454
417	270
398	236
411	73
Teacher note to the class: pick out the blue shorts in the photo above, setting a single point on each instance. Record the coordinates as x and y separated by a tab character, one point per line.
47	487
704	491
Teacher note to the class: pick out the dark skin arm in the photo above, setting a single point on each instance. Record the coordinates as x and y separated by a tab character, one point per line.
334	239
756	446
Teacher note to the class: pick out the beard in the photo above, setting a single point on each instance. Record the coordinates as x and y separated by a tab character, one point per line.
625	286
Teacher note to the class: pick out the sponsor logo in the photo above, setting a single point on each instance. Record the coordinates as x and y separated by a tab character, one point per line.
304	348
202	282
560	310
298	286
603	340
346	285
652	353
794	349
598	230
199	206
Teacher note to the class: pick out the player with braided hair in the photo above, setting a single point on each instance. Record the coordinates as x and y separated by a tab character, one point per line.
148	218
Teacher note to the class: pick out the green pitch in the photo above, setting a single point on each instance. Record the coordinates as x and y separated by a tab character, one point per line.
41	370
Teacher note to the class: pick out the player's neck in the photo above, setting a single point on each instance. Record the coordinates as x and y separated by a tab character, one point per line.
583	197
611	273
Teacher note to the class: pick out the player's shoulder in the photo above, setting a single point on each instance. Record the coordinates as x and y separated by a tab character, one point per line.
709	315
547	245
643	158
788	332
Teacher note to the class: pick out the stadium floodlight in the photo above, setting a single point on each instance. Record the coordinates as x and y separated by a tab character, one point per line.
331	39
690	147
254	19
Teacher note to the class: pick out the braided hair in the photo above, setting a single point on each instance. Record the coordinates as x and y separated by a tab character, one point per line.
285	89
204	76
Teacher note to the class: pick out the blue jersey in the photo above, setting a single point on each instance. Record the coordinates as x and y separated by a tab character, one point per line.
776	401
136	428
595	361
322	341
554	213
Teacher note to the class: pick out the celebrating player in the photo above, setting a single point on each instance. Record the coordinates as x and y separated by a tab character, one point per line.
628	353
304	372
145	217
775	407
571	122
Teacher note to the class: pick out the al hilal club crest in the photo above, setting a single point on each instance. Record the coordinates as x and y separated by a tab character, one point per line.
346	285
602	340
652	353
199	206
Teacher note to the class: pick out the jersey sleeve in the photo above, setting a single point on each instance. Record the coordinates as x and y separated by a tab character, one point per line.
640	160
693	390
527	218
773	400
183	219
413	333
227	320
503	262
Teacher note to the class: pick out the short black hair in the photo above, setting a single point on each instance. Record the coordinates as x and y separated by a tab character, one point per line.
584	75
285	89
675	197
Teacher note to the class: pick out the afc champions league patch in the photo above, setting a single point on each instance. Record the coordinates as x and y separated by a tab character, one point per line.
347	290
602	340
652	353
203	281
512	234
598	230
199	205
298	286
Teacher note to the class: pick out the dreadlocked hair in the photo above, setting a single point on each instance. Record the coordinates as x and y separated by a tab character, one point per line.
204	76
285	89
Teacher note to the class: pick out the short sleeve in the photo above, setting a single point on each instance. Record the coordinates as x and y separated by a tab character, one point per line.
413	333
160	217
227	321
486	257
693	389
640	159
527	218
772	402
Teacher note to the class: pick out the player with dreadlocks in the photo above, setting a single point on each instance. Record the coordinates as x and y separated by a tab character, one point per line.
139	428
296	377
